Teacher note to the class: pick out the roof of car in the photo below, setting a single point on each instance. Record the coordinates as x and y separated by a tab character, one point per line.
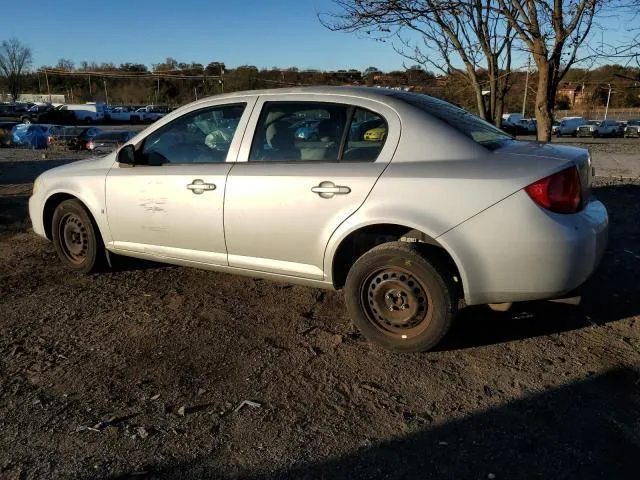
361	92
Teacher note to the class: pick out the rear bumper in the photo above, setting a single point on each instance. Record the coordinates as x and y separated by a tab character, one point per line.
516	251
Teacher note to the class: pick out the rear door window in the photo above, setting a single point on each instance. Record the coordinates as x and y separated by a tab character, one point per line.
299	131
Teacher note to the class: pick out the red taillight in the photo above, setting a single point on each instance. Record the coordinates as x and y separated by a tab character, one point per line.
90	145
559	192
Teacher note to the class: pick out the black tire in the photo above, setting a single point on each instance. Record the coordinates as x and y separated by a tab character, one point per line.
25	120
394	277
76	238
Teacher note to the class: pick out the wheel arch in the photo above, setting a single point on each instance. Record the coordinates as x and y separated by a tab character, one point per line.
358	241
52	203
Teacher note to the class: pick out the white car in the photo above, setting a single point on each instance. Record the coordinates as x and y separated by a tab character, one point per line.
86	112
569	126
598	128
126	115
442	210
152	113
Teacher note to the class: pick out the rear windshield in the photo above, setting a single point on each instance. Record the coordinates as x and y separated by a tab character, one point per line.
466	123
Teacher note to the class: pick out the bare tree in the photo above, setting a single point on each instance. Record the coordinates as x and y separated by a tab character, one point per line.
470	39
15	60
556	33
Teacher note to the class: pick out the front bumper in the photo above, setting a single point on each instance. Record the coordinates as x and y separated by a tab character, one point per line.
35	213
585	133
516	251
632	133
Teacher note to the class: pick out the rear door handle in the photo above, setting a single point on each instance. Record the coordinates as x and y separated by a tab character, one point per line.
329	189
198	186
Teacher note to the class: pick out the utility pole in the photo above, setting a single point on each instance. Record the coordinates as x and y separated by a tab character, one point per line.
606	110
90	94
106	95
195	92
46	78
526	87
157	90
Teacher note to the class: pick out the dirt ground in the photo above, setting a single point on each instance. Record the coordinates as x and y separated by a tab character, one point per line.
146	371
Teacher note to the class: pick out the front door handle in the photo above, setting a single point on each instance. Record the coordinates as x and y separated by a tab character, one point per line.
329	189
198	186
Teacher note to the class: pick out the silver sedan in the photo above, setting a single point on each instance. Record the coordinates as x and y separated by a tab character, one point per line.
413	206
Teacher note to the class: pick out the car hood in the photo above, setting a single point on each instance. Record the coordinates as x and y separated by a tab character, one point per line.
89	164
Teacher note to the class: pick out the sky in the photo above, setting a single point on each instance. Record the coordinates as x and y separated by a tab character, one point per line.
264	33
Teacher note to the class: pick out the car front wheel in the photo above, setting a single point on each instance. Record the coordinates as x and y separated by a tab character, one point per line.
399	299
76	238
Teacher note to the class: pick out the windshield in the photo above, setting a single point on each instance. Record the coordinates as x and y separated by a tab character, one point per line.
466	123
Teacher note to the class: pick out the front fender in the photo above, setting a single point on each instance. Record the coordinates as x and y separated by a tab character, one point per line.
94	203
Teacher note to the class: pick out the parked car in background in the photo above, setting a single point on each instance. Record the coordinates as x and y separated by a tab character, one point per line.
622	124
106	142
124	115
75	138
12	113
509	119
521	126
151	113
375	134
445	211
587	129
569	126
86	112
358	129
598	128
554	127
632	129
32	135
47	113
5	133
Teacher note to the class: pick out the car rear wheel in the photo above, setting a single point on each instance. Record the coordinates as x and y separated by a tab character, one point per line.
26	120
76	238
399	299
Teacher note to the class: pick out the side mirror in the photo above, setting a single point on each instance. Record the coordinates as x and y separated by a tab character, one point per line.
127	155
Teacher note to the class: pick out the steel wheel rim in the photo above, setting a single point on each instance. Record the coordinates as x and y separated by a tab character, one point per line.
396	303
74	238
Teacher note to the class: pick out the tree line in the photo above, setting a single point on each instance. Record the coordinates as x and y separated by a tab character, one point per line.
466	53
465	37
